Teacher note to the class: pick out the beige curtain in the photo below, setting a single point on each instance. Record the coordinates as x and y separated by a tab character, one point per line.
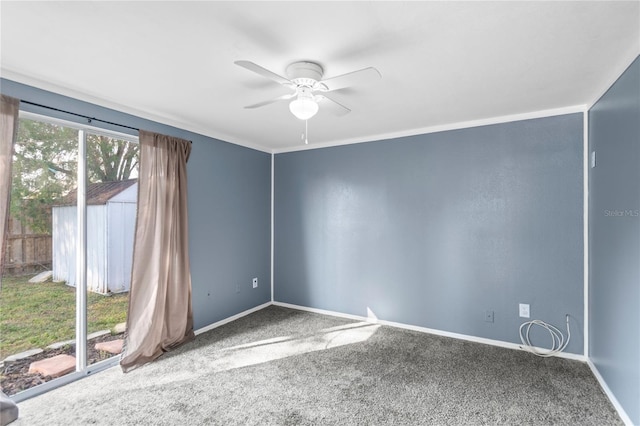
159	316
8	129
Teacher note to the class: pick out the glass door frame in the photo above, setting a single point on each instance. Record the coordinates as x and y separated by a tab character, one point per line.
82	369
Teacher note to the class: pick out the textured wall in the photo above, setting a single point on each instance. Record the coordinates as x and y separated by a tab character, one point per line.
433	230
229	208
614	239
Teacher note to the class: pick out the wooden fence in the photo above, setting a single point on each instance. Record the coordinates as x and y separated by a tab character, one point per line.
27	252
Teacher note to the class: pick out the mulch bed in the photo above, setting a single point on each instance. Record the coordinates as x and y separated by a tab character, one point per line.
15	377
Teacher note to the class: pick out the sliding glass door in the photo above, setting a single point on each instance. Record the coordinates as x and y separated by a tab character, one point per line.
38	312
112	195
64	298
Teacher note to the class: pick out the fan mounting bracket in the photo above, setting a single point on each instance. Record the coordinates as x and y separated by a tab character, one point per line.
305	73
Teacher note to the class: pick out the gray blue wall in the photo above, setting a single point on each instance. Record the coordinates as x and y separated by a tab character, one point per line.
229	208
614	239
433	230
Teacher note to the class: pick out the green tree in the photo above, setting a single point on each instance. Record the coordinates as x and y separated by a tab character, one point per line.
110	160
45	166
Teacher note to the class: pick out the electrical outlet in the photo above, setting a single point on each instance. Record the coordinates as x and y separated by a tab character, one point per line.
255	282
488	316
524	310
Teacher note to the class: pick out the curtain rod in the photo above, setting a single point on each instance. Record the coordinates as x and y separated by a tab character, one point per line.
90	119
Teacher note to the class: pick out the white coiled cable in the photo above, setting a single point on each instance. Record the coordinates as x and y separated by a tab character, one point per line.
558	343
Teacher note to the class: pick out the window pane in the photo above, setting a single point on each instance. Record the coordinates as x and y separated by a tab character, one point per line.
112	190
40	316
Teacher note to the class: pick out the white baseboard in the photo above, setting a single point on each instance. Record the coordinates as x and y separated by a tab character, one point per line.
232	318
500	343
616	404
322	311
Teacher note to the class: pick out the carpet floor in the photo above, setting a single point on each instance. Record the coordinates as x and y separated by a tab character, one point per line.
280	366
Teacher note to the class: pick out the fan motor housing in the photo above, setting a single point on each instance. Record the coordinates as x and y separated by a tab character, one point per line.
305	73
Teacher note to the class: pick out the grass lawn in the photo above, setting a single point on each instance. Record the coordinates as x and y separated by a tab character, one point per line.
37	315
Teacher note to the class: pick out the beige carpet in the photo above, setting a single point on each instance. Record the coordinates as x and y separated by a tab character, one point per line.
285	367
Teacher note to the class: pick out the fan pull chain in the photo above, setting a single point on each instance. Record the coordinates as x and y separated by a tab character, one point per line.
306	132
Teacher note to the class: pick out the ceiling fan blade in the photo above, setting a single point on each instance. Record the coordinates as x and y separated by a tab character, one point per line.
264	72
363	76
334	106
270	101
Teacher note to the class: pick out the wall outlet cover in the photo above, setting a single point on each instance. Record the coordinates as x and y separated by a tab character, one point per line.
254	282
524	310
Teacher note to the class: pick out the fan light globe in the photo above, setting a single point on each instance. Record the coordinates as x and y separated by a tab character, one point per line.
303	108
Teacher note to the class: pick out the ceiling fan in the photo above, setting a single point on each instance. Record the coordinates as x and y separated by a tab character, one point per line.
305	79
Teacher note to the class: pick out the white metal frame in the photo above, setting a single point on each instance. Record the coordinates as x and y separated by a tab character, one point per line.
81	255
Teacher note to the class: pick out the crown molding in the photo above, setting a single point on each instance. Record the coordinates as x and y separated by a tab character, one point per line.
442	128
616	73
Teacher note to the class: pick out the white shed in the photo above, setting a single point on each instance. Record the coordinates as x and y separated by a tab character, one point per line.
111	217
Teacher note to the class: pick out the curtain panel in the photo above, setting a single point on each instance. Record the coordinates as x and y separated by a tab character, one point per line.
160	314
9	108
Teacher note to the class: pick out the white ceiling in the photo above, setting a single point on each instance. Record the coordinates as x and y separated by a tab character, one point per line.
441	62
